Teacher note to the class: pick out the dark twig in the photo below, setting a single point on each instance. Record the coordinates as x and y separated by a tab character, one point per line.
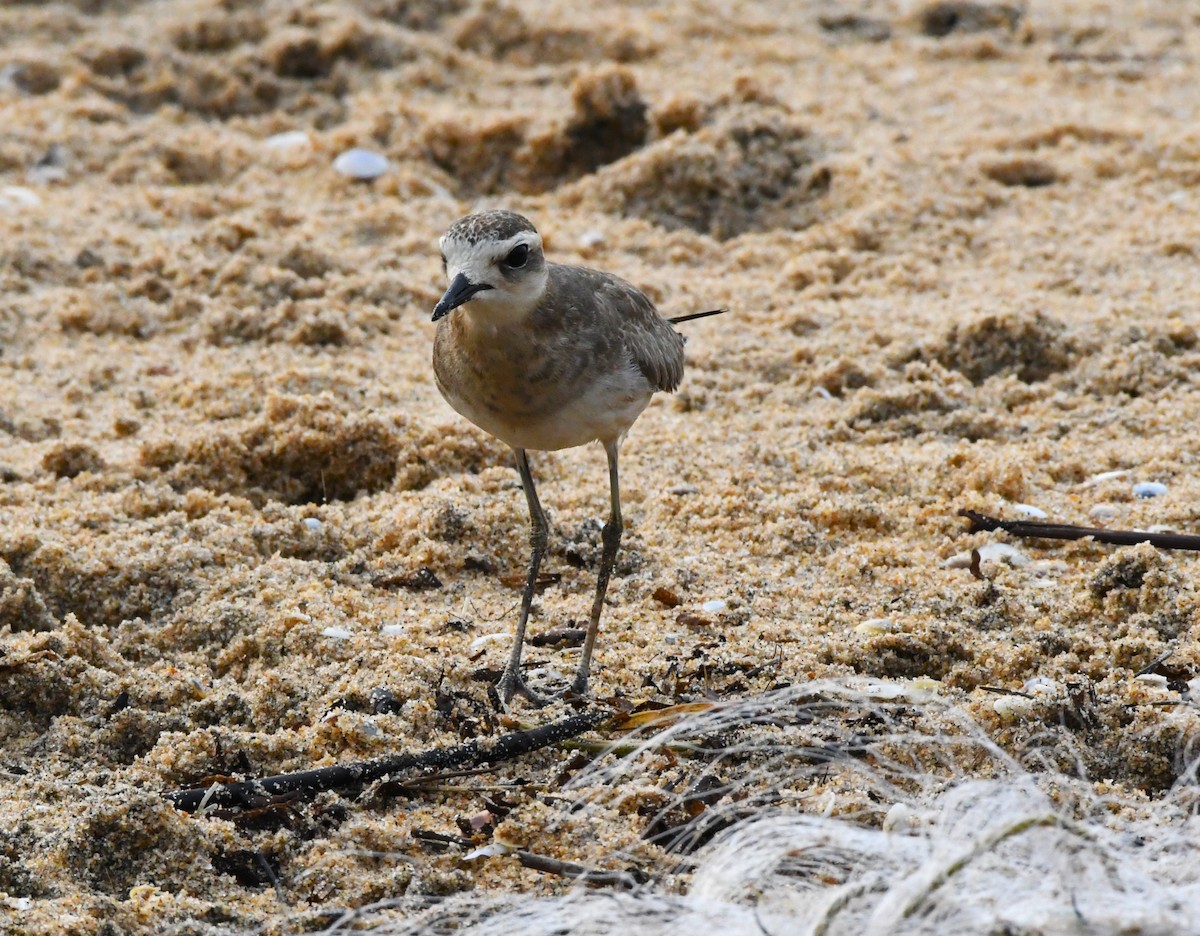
628	879
254	793
1154	664
1001	691
1067	531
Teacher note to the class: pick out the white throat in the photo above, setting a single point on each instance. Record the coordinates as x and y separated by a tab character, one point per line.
495	307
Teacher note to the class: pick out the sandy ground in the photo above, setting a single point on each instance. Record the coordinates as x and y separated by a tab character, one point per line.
241	533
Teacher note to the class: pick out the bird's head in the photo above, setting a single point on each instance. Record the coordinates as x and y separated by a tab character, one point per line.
493	261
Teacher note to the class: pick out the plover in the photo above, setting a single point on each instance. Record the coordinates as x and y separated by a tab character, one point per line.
546	356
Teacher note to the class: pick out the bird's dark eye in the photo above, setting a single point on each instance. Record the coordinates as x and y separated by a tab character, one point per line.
517	256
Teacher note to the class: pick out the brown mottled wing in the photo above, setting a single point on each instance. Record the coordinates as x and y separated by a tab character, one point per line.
654	345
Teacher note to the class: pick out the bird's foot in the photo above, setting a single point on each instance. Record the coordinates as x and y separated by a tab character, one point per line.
579	685
512	683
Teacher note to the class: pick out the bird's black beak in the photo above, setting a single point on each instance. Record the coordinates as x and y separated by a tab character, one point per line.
460	291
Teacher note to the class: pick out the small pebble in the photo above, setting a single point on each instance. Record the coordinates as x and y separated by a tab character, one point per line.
1103	513
681	489
714	607
392	630
361	164
671	639
292	139
1149	489
1028	510
384	701
50	167
312	523
336	633
823	393
1152	679
589	239
665	596
367	730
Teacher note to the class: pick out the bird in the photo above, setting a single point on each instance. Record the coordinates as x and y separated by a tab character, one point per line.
547	356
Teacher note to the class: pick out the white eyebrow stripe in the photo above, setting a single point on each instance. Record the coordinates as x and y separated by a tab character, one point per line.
463	253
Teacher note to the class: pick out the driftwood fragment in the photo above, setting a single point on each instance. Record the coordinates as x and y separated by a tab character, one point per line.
252	794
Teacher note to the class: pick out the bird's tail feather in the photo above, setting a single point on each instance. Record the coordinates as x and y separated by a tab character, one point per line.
695	315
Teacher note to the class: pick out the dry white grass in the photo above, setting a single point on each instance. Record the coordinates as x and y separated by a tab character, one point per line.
936	831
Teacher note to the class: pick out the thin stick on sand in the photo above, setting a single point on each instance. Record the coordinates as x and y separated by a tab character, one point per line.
1066	531
251	794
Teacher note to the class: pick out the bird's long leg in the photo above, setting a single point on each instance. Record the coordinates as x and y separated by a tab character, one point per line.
512	682
610	536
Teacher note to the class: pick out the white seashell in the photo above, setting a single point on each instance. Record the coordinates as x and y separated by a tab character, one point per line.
489	851
989	552
875	626
1000	552
362	164
899	818
485	639
312	523
915	690
336	633
1103	513
15	197
1104	476
292	139
887	691
1152	679
1012	707
592	238
1028	510
392	630
1040	686
1149	489
714	607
